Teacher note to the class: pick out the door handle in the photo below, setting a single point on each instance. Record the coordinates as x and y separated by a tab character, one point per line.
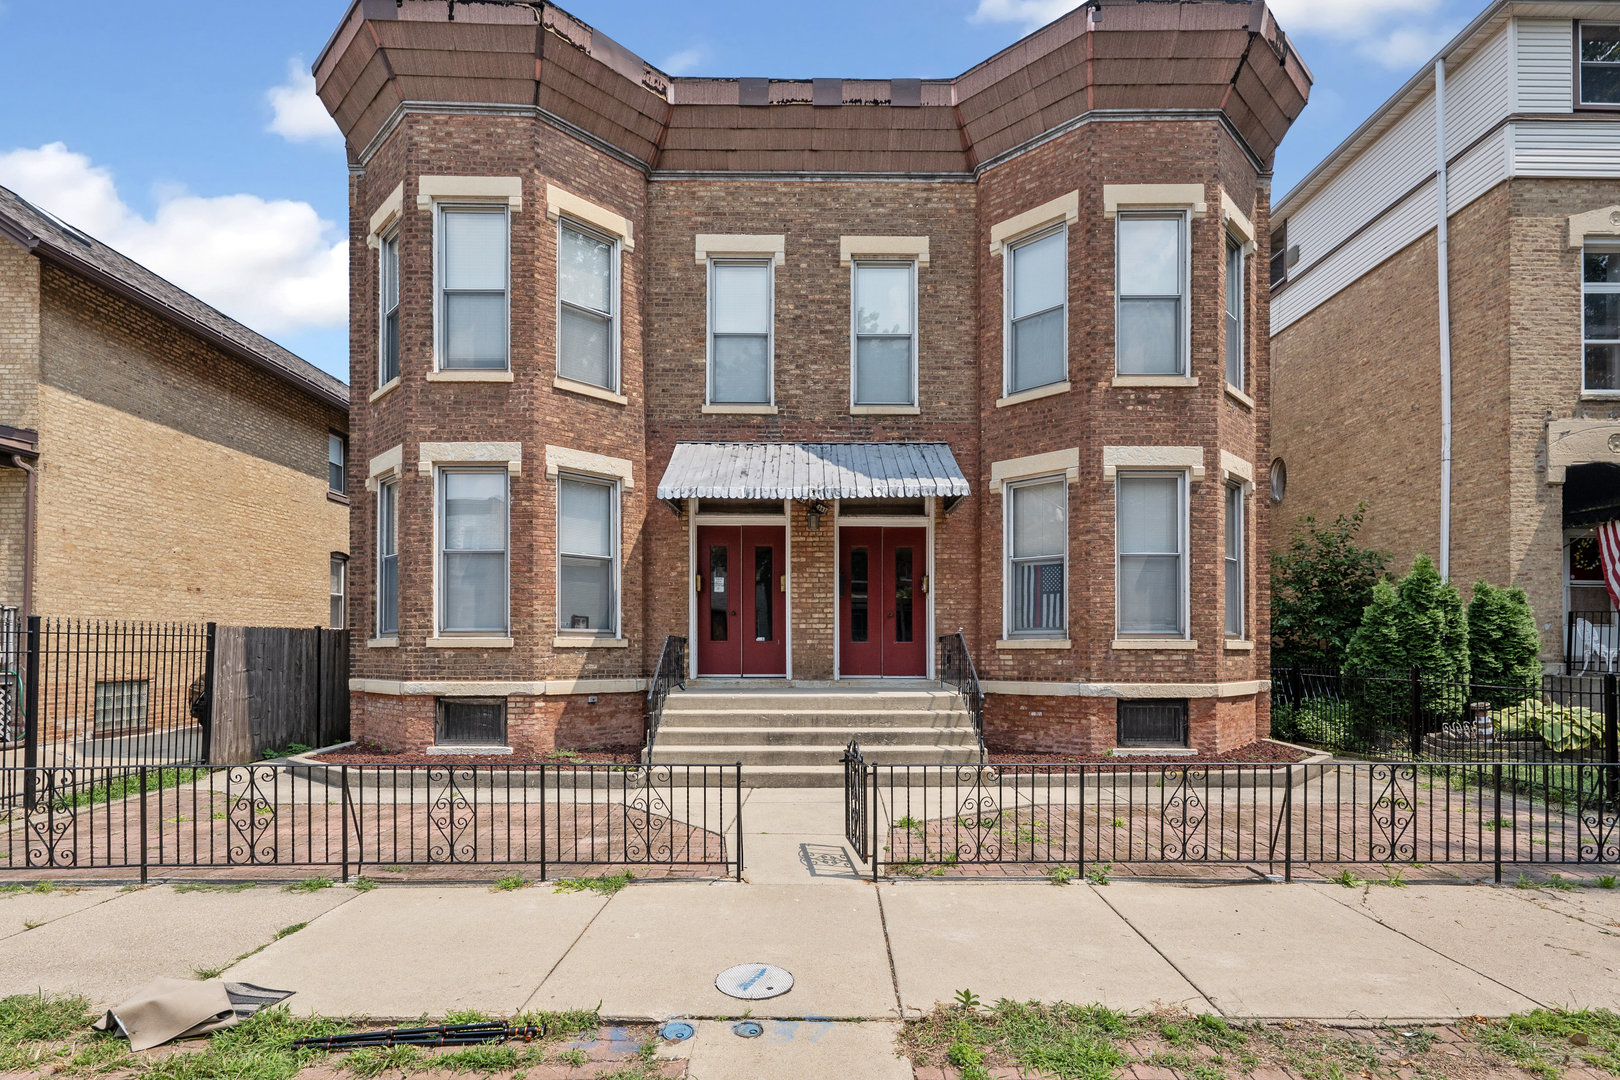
699	578
891	614
733	613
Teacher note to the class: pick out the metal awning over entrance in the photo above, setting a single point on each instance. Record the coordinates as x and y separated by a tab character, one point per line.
812	472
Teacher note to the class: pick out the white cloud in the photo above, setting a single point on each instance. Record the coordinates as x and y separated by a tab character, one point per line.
273	264
684	62
1360	18
1031	13
298	114
1405	46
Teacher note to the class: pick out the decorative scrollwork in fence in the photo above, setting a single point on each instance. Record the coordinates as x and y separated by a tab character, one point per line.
1184	815
648	829
452	819
251	812
50	825
1394	813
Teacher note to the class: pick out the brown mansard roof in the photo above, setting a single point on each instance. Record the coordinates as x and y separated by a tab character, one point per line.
528	56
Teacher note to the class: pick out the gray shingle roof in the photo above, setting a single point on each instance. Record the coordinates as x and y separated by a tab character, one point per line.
52	240
812	471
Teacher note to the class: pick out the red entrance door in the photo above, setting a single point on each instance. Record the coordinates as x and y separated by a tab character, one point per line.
742	600
882	614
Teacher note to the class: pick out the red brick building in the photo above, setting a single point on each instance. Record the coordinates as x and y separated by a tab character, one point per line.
810	373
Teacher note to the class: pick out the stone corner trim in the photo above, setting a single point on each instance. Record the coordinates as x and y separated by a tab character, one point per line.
507	189
1190	458
390	211
1117	197
741	245
560	202
563	459
1066	462
1237	222
1601	222
1580	442
1235	468
385	466
509	454
851	248
1065	208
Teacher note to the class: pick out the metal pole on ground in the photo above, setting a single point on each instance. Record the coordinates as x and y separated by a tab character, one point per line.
1497	780
1417	713
1288	827
143	824
31	726
1611	739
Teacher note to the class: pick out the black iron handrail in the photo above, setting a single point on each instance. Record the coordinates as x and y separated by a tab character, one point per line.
957	671
671	674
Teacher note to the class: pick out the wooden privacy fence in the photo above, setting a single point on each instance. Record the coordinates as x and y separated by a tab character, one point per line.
276	686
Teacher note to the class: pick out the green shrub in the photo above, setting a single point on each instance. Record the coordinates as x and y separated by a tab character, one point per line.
1315	720
1503	646
1417	623
1564	728
1320	587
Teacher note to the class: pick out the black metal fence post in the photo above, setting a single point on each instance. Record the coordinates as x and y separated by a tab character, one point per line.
143	825
1417	712
1288	827
739	823
1611	738
1496	780
1082	859
31	727
543	838
344	817
206	708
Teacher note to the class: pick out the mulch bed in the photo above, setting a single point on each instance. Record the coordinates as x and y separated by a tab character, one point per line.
370	754
1263	752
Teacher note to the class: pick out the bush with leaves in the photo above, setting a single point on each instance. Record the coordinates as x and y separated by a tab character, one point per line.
1503	646
1418	623
1319	588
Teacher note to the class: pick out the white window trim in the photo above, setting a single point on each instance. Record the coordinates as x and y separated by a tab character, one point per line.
1010	638
385	466
343	587
1242	491
560	459
387	215
1154	197
882	248
770	333
1183	640
1580	85
741	246
451	639
439	207
507	190
1064	208
1066	462
508	454
1239	225
376	614
615	372
390	236
1242	314
1185	344
566	638
560	204
1590	288
1010	396
864	408
343	466
1154	458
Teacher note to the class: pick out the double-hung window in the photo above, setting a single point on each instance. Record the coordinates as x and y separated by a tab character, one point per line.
1600	64
388	558
1151	291
1237	287
1236	580
339	591
474	272
388	310
740	332
473	560
587	556
1151	531
587	305
1601	317
337	454
1037	545
885	333
1038	311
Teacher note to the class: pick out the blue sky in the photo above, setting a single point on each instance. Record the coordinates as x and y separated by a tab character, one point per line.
185	134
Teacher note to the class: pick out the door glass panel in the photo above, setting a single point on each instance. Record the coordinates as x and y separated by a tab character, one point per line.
858	592
764	572
717	593
903	603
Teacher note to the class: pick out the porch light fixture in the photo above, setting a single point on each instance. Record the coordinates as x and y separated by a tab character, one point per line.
813	510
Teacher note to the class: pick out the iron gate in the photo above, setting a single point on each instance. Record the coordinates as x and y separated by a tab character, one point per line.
857	810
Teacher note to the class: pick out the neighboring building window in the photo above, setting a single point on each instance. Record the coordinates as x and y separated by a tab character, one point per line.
340	577
587	554
1236	582
337	456
1600	64
1279	255
388	305
121	704
1152	723
471	722
1037	557
473	551
587	307
473	275
1038	311
885	333
740	326
1151	530
388	558
1152	275
1279	480
1601	339
1237	287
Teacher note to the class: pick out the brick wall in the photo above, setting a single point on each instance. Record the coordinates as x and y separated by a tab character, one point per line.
535	724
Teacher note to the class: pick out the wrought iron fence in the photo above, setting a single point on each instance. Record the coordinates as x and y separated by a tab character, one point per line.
442	822
931	818
857	810
11	669
671	673
957	671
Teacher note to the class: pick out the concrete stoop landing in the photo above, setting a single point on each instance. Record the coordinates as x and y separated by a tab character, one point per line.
794	735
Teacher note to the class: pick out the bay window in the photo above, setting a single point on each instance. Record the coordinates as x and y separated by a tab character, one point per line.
587	306
473	533
388	310
388	558
587	556
1037	311
1236	292
1037	545
1151	529
1151	289
473	281
1236	578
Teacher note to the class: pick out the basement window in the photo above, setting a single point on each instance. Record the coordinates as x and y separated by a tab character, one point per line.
471	722
1153	724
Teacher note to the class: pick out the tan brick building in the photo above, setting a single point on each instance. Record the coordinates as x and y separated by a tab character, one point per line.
742	361
1527	130
179	460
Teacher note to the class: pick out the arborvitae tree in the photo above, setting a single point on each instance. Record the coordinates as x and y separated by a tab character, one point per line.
1418	623
1504	648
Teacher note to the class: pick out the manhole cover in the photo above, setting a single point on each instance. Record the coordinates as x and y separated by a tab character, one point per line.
748	1029
753	982
677	1031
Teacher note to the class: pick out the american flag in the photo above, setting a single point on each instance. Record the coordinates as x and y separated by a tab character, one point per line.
1609	548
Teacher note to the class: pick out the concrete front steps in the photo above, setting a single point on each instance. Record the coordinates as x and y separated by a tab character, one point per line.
794	736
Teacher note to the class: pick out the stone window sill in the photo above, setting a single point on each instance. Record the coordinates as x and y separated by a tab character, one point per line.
386	388
1140	382
470	375
1240	397
1034	394
1155	643
885	410
390	642
333	496
492	751
585	389
1610	396
740	410
469	642
1035	643
1238	645
587	642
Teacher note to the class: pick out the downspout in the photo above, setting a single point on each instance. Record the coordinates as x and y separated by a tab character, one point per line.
1442	218
20	462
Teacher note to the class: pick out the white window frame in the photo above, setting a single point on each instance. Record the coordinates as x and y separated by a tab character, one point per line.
1008	280
387	489
615	273
439	472
1589	288
855	266
1235	513
336	439
769	265
388	241
1580	64
615	576
1007	540
1184	297
340	563
1183	510
439	248
1234	243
